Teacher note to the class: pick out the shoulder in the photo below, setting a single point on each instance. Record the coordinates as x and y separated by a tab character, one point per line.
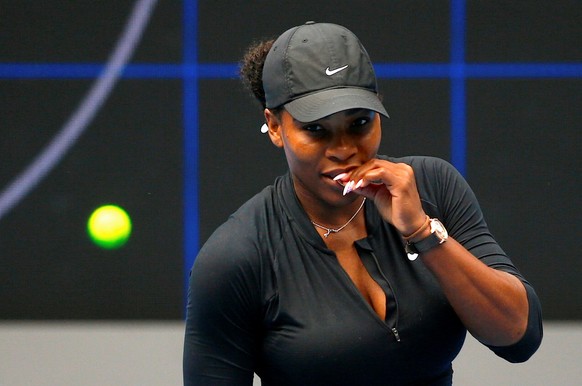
240	250
426	164
444	191
239	236
431	172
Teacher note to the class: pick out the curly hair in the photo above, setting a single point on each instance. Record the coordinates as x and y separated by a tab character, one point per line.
251	68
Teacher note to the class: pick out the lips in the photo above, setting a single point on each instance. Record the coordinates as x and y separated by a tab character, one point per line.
337	174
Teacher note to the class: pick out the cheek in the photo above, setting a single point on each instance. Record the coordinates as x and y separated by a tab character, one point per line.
373	142
301	155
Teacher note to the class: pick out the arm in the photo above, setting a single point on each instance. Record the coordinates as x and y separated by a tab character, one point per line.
492	304
219	345
492	300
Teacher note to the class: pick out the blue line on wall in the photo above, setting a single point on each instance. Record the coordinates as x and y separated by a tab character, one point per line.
230	70
190	102
458	134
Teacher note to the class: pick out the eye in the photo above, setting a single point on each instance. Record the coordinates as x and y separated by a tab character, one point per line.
361	121
314	128
361	124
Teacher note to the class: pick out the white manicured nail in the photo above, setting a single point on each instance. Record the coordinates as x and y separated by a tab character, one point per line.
349	187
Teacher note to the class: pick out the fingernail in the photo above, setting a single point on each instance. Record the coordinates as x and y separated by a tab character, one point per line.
348	187
359	184
340	176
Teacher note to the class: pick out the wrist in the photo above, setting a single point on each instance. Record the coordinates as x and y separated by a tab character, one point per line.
425	239
420	232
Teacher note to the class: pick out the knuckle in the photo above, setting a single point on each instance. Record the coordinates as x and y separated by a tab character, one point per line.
407	170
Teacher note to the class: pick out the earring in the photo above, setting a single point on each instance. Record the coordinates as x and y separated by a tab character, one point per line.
264	128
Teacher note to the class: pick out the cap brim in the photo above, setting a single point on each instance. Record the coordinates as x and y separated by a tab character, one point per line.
321	104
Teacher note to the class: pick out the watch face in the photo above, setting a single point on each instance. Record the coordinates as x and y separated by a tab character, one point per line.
439	229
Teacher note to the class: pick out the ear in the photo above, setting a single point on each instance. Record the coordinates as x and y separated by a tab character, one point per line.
274	125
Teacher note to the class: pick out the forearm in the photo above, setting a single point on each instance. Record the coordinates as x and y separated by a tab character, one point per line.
491	304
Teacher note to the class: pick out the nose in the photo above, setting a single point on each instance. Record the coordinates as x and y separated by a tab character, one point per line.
341	147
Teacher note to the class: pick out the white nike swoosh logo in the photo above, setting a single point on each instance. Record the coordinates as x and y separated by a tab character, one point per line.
331	72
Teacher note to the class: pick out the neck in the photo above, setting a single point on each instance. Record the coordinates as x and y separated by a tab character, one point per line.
326	213
335	217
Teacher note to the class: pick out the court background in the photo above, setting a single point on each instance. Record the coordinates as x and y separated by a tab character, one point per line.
494	87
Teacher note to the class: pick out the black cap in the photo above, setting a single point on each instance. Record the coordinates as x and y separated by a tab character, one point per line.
318	69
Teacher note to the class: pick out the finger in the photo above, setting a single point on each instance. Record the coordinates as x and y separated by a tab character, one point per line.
374	171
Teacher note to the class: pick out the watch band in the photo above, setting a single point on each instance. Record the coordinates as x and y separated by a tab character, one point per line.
437	236
423	245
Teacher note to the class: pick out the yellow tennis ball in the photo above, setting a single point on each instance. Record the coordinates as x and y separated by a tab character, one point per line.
109	226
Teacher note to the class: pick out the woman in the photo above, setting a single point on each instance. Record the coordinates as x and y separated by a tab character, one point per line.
354	268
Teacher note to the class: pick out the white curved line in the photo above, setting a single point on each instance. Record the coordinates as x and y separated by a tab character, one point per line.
81	118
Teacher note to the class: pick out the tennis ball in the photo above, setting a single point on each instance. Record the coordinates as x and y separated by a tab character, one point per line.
109	226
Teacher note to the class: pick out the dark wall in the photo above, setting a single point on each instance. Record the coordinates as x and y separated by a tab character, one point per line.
130	155
174	111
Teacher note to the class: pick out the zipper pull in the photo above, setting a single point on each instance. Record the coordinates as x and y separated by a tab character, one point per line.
396	334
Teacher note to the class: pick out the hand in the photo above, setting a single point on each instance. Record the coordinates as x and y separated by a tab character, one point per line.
392	187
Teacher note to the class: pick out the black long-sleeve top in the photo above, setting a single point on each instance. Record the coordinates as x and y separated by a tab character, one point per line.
267	296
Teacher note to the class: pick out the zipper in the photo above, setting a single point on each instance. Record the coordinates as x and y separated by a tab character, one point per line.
394	328
396	334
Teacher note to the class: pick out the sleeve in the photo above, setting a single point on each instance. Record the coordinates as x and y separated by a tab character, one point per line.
521	351
221	321
451	199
